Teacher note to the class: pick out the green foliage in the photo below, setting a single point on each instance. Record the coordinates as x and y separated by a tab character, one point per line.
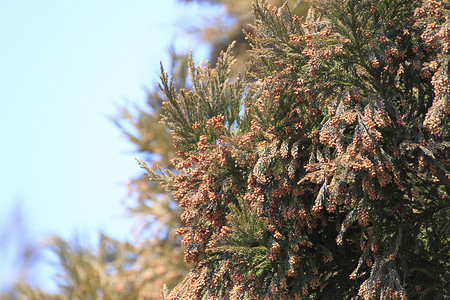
322	172
247	228
187	114
89	276
219	31
344	126
113	270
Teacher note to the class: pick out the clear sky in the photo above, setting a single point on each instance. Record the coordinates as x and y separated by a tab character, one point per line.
65	68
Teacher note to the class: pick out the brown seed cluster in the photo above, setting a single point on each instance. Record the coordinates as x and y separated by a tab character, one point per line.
216	122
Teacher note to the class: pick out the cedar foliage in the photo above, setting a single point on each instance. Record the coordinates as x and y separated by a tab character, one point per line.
220	31
158	212
154	262
323	171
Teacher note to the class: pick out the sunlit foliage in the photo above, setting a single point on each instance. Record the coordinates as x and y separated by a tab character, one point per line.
320	172
323	171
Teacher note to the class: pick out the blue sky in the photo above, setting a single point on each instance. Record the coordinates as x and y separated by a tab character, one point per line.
65	68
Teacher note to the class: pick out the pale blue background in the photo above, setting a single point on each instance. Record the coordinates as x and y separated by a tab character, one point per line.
65	68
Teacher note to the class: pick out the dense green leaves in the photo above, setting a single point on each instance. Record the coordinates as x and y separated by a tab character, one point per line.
344	135
320	173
